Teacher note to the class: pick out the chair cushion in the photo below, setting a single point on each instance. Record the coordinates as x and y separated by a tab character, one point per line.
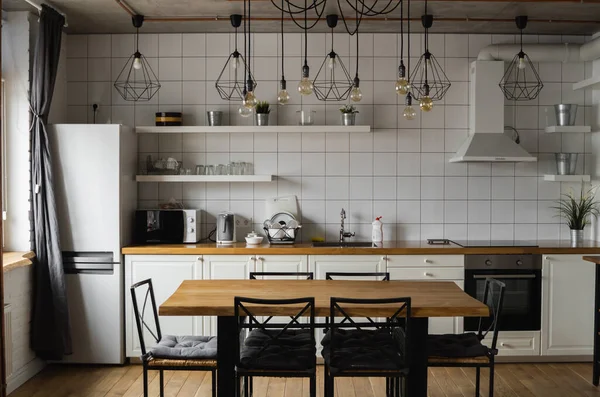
363	350
293	350
185	347
451	345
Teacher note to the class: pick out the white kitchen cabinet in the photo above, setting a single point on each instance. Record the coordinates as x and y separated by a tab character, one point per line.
167	272
282	263
457	261
567	305
322	264
437	325
225	267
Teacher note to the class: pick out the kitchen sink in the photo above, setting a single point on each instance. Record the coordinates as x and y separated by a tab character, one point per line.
348	244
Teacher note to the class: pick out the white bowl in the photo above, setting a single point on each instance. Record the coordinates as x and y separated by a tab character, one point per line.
254	240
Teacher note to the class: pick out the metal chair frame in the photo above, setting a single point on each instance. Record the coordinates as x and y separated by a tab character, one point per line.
243	312
157	336
308	275
385	275
399	320
492	351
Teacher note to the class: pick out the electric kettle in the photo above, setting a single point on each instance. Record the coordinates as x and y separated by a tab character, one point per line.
226	228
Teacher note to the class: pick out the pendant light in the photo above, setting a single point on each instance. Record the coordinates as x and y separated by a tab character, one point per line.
326	86
402	86
428	79
248	99
356	93
137	81
305	87
283	97
232	89
409	112
521	81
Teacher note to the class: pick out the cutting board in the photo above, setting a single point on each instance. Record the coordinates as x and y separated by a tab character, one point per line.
275	205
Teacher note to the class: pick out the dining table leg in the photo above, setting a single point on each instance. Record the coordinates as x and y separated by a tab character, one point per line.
417	376
226	348
596	364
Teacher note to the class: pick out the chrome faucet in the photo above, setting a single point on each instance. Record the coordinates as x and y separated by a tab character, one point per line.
343	234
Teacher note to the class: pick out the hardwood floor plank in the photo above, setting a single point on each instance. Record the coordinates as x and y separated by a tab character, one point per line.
445	382
121	387
192	383
362	387
294	387
503	371
205	389
276	387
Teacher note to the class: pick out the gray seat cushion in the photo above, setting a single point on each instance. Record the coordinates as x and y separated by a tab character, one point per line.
185	347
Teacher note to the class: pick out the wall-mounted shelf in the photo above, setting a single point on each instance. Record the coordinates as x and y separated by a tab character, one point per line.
204	178
592	82
568	129
567	178
251	129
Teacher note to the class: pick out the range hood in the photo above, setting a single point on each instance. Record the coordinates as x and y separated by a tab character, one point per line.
487	141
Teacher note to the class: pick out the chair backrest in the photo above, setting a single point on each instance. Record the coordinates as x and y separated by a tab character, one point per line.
493	297
247	319
394	328
144	290
385	276
307	275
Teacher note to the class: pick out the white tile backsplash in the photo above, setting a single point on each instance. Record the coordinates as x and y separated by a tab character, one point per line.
400	170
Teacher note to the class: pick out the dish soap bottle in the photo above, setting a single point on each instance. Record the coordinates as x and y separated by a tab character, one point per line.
377	235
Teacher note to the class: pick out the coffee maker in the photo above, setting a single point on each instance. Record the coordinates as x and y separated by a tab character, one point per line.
226	228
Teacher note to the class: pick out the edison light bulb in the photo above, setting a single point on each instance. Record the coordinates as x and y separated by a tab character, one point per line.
137	63
331	62
305	87
426	104
402	86
356	94
522	64
283	97
409	113
244	111
250	100
235	63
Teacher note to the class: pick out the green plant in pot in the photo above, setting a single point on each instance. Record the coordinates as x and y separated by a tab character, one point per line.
262	111
348	114
577	210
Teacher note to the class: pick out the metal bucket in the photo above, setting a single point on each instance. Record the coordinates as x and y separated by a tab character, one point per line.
348	118
576	238
214	117
262	118
566	163
565	114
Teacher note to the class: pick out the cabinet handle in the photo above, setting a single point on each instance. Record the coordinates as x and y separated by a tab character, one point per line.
547	258
384	258
252	258
504	344
428	261
426	274
199	259
260	258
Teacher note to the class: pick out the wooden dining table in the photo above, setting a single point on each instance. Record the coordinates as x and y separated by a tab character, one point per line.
215	298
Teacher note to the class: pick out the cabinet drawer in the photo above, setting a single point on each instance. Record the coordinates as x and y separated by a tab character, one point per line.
425	260
427	273
516	343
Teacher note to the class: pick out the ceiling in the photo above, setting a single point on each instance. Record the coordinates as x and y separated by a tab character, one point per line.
573	17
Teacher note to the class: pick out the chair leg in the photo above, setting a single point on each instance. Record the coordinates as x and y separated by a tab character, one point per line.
313	386
237	385
145	371
162	383
246	386
477	375
491	392
397	387
251	386
214	383
387	387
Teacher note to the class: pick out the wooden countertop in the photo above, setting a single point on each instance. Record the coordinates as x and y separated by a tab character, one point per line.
392	248
593	259
13	260
216	297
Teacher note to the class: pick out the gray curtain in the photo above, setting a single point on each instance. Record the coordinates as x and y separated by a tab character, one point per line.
51	328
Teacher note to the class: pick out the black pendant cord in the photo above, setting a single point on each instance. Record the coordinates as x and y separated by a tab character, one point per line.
408	39
521	32
426	53
356	76
401	35
137	40
250	81
282	49
305	38
245	52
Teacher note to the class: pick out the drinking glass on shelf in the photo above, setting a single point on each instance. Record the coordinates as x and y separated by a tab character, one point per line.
248	169
188	171
229	169
209	170
199	169
235	168
219	169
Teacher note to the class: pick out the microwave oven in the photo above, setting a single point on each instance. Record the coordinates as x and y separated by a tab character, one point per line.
166	226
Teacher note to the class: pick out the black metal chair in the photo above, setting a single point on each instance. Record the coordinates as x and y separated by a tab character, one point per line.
185	353
467	349
385	276
275	349
308	275
372	348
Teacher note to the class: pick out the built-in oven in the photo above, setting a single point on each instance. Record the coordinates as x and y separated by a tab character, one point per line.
522	275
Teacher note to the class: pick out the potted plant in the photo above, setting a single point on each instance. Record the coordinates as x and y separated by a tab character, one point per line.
262	113
577	210
348	114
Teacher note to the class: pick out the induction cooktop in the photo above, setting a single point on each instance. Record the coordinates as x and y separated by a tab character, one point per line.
483	243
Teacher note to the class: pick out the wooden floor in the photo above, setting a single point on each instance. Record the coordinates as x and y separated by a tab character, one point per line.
514	380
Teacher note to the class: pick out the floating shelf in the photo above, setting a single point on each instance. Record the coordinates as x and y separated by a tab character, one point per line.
251	129
567	178
587	83
568	129
204	178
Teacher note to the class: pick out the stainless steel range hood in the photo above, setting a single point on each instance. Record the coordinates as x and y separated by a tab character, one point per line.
487	141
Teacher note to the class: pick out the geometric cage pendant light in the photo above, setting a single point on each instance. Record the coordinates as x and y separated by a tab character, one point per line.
229	84
521	81
137	81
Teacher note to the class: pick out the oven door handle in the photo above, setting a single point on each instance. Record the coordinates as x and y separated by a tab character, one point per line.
511	276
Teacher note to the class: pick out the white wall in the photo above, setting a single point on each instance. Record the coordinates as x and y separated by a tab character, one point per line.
399	171
15	71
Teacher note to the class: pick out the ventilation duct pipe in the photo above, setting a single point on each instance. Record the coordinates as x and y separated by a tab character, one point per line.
567	52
